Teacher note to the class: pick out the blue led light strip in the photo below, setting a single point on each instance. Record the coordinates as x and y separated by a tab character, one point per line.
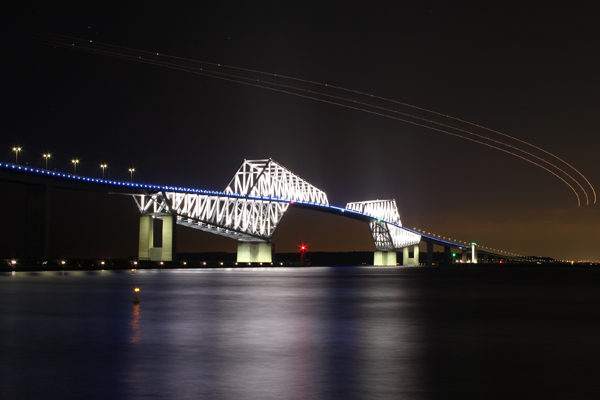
59	175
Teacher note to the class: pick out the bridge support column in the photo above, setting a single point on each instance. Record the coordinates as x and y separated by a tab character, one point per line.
168	239
146	249
416	250
464	255
407	260
37	222
473	253
429	254
254	252
384	258
447	256
146	237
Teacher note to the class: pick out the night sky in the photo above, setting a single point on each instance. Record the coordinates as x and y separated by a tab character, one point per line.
526	71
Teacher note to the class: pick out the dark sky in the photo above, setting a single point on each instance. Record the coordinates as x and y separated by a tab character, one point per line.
530	72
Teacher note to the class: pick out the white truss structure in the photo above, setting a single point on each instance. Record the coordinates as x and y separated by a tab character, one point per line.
242	219
250	208
382	209
386	227
266	178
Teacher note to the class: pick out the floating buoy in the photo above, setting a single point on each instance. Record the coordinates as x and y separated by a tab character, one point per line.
136	300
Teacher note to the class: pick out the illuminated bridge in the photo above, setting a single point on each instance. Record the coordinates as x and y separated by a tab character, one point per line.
248	211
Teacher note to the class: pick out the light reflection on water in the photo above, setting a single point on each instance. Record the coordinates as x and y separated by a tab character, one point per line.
135	325
294	333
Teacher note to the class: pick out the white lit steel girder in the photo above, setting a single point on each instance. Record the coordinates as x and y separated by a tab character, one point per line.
243	219
381	235
386	227
266	178
382	209
245	211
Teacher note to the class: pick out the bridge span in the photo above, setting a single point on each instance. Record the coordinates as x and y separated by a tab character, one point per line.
248	211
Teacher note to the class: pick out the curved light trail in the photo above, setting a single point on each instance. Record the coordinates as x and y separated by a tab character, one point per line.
326	93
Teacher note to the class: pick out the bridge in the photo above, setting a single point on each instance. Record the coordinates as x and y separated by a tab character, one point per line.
248	211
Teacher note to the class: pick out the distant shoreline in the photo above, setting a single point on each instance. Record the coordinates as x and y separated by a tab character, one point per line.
178	265
228	260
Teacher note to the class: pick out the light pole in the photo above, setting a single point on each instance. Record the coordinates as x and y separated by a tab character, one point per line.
103	166
47	156
16	150
75	162
131	171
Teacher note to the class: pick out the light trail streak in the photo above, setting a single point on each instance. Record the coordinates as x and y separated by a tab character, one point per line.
417	108
359	105
421	109
234	78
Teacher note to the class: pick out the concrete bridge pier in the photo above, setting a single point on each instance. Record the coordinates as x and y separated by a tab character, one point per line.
255	252
146	250
406	259
384	258
37	222
473	253
447	255
464	255
429	254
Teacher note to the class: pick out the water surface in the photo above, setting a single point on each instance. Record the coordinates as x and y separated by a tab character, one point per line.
302	333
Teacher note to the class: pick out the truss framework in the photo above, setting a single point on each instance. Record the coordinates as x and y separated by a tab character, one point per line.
248	210
247	220
382	209
266	178
386	228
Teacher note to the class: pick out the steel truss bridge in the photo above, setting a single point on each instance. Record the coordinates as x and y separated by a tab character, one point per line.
248	210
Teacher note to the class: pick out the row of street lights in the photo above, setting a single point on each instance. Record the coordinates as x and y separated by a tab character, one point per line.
74	161
466	243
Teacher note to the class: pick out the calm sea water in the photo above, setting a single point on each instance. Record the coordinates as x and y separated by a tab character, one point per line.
302	333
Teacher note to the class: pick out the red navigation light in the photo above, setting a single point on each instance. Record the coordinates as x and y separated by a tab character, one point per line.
303	254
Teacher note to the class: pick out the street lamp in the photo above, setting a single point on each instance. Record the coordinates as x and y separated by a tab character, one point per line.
131	171
16	150
75	162
47	156
103	166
